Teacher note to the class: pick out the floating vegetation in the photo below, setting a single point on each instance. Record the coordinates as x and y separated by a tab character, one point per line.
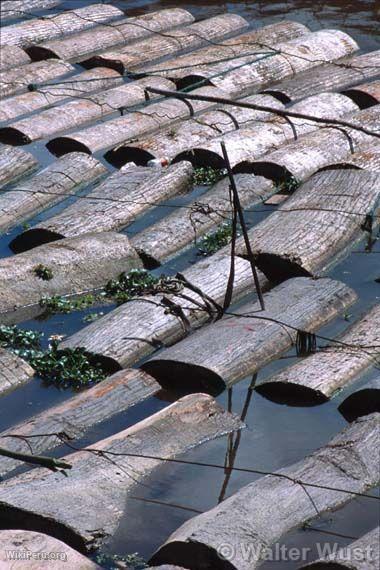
21	342
116	561
91	317
206	175
127	285
43	272
214	241
58	304
288	186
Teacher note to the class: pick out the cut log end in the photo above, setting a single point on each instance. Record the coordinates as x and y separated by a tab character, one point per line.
361	403
290	394
361	98
63	145
270	170
99	61
39	53
200	157
191	555
14	137
33	238
120	156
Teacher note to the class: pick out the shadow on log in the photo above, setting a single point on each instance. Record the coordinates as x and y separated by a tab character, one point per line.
365	95
368	159
362	402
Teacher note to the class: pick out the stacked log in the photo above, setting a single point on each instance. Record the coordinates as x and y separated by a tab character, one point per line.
254	518
18	80
14	371
15	163
112	205
12	56
368	159
175	41
319	377
85	524
240	344
49	186
123	31
365	95
362	402
317	225
13	9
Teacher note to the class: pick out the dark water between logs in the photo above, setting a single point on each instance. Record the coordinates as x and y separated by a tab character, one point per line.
276	435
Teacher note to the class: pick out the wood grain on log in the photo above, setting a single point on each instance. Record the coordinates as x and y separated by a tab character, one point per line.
368	159
17	80
76	416
77	264
255	517
14	371
316	226
236	346
102	37
78	112
13	9
49	186
15	163
362	402
365	95
85	524
187	37
12	56
319	377
55	25
112	205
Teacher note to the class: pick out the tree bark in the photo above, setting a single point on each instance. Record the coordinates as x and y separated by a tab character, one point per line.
12	56
368	159
362	402
14	9
14	371
365	95
17	80
15	163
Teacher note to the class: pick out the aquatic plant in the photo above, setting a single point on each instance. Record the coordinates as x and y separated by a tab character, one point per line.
214	241
206	175
58	304
288	186
127	285
21	342
43	272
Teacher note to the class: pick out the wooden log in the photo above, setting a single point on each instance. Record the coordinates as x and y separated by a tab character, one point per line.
14	371
362	554
102	37
12	56
362	402
13	9
85	524
319	377
166	144
188	37
178	230
112	205
334	76
78	112
37	551
47	96
316	226
368	159
236	346
76	265
149	119
74	417
17	80
135	330
253	519
55	25
365	95
15	163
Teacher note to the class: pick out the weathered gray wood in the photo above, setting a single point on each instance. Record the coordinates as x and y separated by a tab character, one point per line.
12	56
362	554
15	163
13	9
319	377
237	346
362	402
49	95
50	185
77	264
178	230
112	205
88	522
79	111
365	95
76	416
317	225
135	330
126	30
14	81
368	159
37	547
255	517
14	371
192	36
55	25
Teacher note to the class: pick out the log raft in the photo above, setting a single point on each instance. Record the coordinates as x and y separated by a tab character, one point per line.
368	159
237	346
365	95
14	9
14	371
316	226
87	523
18	80
15	163
12	56
112	205
319	377
49	186
245	521
362	402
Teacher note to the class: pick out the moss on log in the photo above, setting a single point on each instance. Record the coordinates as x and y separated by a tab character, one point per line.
12	56
15	163
362	402
365	95
14	371
18	80
14	9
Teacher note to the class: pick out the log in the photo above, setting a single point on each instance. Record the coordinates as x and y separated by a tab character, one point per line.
87	523
49	186
123	31
13	9
55	25
12	56
17	80
136	329
362	402
49	95
14	371
368	159
365	95
321	376
188	37
15	163
165	145
164	239
253	519
149	119
234	347
39	551
362	554
77	264
74	417
316	226
78	112
112	205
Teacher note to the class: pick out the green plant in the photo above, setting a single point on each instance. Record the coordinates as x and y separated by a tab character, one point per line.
43	272
116	561
214	241
91	317
21	342
288	185
206	175
127	285
58	304
25	226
